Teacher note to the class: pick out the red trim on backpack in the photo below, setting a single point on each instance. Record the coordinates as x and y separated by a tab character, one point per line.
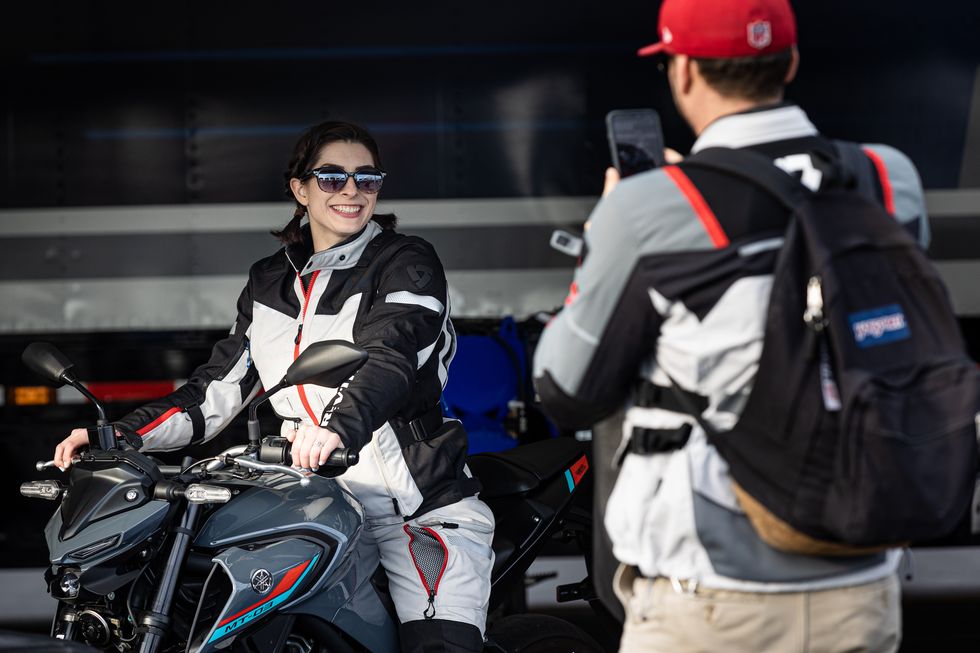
888	196
158	421
700	206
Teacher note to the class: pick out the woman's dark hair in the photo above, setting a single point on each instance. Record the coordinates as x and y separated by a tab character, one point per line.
752	78
304	155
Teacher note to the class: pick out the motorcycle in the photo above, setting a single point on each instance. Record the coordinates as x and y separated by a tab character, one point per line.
242	552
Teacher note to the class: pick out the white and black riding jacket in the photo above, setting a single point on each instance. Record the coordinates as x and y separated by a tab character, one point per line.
383	291
677	280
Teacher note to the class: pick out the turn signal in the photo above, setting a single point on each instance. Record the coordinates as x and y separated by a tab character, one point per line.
200	493
50	490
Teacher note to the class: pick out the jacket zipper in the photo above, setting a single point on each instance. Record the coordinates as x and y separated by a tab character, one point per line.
299	338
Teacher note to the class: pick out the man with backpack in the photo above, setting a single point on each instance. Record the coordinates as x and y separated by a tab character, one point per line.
736	517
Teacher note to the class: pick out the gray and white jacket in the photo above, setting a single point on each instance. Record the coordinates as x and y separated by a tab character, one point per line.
384	291
677	280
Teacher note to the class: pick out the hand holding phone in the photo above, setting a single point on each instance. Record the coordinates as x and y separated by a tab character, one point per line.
636	140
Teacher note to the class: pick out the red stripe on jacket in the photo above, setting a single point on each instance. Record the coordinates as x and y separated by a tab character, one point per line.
888	196
158	421
700	206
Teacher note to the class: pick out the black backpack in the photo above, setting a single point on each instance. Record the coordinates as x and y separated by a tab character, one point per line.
861	428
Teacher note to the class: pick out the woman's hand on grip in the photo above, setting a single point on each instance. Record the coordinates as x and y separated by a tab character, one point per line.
312	445
68	447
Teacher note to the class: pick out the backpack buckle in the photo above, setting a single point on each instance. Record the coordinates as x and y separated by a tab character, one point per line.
813	315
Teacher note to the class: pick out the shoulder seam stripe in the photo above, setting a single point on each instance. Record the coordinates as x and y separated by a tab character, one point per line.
413	299
886	185
700	206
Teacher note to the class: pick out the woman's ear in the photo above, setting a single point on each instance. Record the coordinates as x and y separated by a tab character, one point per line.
299	191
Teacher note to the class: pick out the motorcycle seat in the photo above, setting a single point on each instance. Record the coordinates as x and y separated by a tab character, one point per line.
521	469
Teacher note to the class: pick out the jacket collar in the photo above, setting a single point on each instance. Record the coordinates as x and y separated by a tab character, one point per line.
341	256
778	123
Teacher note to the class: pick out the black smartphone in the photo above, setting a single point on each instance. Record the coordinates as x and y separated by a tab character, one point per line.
636	140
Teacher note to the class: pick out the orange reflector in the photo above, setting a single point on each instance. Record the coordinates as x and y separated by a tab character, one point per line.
33	395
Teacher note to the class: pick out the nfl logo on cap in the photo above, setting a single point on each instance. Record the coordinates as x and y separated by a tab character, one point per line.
760	34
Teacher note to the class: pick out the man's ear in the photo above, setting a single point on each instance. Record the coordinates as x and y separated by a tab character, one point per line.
683	73
793	66
299	191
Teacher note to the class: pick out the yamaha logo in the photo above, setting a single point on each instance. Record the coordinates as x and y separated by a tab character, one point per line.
261	581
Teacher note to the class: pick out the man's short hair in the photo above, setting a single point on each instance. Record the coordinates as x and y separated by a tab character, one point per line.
752	78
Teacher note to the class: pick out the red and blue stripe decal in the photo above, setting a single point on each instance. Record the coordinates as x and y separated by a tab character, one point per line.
290	581
574	474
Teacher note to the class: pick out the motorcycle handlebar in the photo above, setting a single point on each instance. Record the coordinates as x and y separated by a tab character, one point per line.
277	450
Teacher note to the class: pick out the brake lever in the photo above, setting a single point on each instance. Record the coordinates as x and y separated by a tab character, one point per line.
227	457
42	465
248	463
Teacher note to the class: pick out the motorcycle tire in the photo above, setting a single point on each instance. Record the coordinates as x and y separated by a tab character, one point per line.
539	633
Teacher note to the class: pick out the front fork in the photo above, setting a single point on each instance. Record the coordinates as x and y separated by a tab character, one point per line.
156	620
67	616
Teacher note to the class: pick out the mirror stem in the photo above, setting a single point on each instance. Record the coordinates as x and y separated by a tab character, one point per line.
254	429
73	382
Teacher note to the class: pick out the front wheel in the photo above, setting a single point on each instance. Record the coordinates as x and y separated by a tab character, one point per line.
539	633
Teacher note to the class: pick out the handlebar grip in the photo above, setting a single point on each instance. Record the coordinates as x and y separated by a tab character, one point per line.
277	450
342	458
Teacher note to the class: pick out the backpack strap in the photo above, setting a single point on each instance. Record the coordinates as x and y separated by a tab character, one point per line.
857	172
862	168
753	167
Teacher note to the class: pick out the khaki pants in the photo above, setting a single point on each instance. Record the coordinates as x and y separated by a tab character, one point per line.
849	619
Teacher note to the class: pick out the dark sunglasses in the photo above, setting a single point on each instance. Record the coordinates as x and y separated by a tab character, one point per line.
332	179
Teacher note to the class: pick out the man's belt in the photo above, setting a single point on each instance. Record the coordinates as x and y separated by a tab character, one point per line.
419	429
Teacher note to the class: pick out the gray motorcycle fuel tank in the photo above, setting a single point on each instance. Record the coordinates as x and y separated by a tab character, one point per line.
279	505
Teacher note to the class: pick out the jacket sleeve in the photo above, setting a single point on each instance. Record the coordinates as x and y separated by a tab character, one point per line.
591	352
901	190
406	329
214	394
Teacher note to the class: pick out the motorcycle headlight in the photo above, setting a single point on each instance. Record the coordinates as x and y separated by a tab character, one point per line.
69	583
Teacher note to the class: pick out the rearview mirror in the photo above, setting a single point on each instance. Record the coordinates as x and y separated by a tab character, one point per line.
45	360
328	363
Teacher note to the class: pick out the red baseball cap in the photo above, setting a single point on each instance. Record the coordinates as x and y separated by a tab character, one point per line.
723	29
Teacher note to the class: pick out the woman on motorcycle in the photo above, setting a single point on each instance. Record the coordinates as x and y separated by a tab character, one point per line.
344	273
